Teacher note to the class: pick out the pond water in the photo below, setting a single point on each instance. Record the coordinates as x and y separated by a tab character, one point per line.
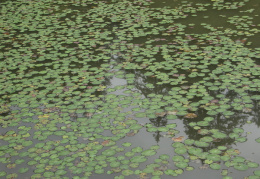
130	89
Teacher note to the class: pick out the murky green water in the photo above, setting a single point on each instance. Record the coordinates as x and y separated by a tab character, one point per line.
130	89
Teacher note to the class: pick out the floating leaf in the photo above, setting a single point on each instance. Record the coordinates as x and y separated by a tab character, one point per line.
148	152
138	159
215	166
180	150
258	140
126	144
109	152
177	158
213	157
23	170
181	164
257	172
178	139
170	172
190	115
241	167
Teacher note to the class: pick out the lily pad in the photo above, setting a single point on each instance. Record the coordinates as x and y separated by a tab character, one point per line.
241	167
215	166
180	150
148	152
181	164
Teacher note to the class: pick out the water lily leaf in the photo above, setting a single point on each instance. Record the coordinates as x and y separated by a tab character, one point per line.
177	158
109	152
177	144
157	173
178	171
224	172
219	135
258	140
164	157
126	144
201	144
215	151
148	152
252	164
135	126
195	151
137	149
170	172
257	172
238	159
241	139
60	172
178	139
225	157
213	157
189	141
233	135
206	139
48	174
215	166
140	115
181	164
138	159
180	150
190	115
241	167
2	173
238	130
23	170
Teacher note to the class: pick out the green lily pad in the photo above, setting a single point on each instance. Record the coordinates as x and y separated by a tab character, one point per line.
181	164
109	152
233	135
48	174
140	115
252	164
195	151
225	157
2	173
138	159
219	135
258	140
241	139
215	151
126	144
23	170
215	166
189	141
241	167
164	157
180	150
257	172
238	159
170	172
177	144
60	172
148	152
201	144
177	158
213	157
137	149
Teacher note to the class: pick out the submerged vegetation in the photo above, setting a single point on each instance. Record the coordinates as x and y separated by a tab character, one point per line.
92	88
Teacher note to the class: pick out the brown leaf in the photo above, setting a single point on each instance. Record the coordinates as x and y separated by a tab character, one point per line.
160	114
172	112
190	115
105	142
130	134
178	139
